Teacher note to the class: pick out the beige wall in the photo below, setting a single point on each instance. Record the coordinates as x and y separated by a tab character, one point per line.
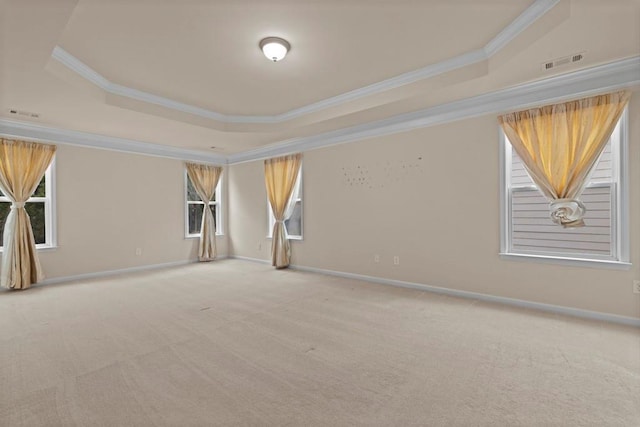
110	203
431	197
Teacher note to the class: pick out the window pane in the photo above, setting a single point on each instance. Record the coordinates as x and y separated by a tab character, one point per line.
294	224
213	211
38	222
4	211
40	190
192	195
195	217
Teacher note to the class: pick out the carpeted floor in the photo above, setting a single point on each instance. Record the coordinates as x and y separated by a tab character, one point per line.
237	343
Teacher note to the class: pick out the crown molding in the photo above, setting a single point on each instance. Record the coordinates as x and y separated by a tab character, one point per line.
80	68
615	75
460	61
34	132
602	78
524	20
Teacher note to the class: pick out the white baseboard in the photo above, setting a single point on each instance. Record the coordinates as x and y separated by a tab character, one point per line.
576	312
244	258
559	309
100	274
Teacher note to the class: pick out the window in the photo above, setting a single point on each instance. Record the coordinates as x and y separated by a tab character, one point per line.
40	208
194	209
294	224
527	229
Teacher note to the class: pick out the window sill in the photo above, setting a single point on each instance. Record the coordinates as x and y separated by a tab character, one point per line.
197	236
40	248
299	238
576	262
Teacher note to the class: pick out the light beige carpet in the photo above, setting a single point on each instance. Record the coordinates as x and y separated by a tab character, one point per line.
237	343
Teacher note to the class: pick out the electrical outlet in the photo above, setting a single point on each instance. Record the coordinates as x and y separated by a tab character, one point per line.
138	251
636	286
376	258
396	260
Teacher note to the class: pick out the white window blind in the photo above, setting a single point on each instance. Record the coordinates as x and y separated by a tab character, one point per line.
533	232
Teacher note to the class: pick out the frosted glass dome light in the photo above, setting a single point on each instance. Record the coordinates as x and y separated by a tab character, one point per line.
274	48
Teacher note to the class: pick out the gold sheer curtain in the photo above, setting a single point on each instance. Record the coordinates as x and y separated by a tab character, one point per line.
205	180
22	165
280	175
560	144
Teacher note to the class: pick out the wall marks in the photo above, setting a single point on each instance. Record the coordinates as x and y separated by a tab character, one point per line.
382	173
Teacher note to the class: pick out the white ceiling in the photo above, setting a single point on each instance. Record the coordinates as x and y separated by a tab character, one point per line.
204	55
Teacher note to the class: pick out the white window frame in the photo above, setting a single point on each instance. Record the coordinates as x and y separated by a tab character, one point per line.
272	220
619	208
49	208
217	203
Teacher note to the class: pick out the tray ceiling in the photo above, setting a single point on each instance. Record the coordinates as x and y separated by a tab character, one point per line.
190	75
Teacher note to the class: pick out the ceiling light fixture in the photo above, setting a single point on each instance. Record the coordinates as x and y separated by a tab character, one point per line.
274	48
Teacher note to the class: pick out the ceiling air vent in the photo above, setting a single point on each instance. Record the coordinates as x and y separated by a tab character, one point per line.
562	61
24	113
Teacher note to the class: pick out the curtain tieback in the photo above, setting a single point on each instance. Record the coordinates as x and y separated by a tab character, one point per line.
567	212
17	205
281	221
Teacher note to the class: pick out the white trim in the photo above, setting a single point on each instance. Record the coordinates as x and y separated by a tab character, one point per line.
623	194
427	72
505	195
49	202
40	248
298	238
271	220
619	256
50	183
570	311
558	309
563	260
218	203
256	260
79	67
615	75
107	273
523	21
150	98
460	61
39	133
